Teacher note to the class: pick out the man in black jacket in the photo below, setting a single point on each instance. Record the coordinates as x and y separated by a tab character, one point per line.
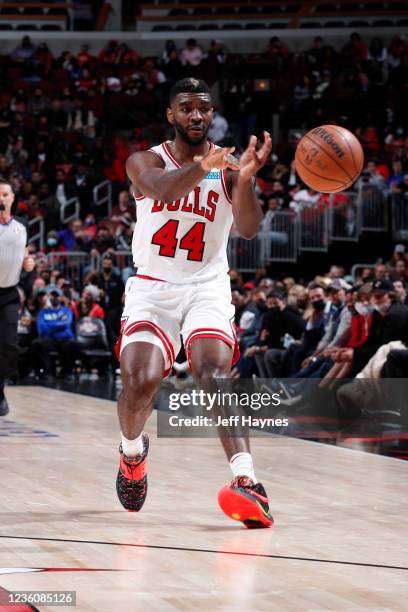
278	320
390	322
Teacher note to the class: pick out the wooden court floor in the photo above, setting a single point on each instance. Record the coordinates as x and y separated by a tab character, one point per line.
339	541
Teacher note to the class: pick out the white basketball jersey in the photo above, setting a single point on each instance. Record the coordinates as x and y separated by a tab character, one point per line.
186	240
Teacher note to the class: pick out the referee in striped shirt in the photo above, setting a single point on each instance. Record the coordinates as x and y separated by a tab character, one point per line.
13	257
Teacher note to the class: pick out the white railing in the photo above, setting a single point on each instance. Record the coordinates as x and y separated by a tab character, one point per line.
74	265
344	217
373	209
65	217
36	238
102	194
399	214
314	227
357	269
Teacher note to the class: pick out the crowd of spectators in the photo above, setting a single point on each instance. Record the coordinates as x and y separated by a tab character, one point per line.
59	116
58	140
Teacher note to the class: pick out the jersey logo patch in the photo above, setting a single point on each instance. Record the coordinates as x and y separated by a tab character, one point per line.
213	175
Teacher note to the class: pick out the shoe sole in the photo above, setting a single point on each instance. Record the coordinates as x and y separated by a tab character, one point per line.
243	508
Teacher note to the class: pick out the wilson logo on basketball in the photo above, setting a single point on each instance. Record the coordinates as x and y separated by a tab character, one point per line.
327	137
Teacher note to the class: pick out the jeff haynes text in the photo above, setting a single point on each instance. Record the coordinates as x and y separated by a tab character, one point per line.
231	421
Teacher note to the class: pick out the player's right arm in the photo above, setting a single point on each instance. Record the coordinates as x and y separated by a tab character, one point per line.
149	177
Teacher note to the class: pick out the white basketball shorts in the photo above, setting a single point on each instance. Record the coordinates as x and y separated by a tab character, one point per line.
159	312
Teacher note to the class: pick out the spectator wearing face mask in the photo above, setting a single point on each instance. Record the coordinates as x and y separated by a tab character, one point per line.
361	317
73	237
111	291
389	322
54	325
336	335
54	243
286	364
89	228
400	292
279	320
102	243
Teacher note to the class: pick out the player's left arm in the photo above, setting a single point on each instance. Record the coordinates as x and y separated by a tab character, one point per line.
245	205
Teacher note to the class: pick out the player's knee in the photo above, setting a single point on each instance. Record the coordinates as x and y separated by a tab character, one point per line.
210	370
140	383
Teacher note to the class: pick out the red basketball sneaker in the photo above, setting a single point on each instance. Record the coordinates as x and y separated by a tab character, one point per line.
247	502
131	482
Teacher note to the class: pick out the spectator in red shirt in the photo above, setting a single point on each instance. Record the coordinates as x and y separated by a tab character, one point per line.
359	303
126	56
87	306
358	48
44	58
84	58
108	54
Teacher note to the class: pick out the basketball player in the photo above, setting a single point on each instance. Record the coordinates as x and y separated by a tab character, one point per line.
13	255
188	192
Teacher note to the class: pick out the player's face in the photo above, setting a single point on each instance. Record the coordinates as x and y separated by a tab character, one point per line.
191	114
6	200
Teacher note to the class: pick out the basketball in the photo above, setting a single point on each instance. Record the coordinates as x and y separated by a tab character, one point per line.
329	159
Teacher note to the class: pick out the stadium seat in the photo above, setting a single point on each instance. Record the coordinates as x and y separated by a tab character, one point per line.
248	10
57	11
30	10
5	26
375	6
49	27
232	26
178	12
255	26
358	23
383	23
310	24
27	27
93	344
202	10
277	25
185	27
289	8
208	26
335	24
327	8
225	10
162	28
402	22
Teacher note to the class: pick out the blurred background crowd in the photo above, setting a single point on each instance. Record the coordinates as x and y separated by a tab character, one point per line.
68	123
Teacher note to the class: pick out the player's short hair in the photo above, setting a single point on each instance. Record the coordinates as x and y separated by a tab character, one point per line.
6	182
188	85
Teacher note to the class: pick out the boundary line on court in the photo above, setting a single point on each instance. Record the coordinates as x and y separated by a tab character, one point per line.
209	550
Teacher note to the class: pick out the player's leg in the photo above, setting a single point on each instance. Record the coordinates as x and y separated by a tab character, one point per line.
245	499
210	359
142	366
8	348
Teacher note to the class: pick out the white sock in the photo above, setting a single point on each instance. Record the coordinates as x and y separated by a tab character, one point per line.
131	448
241	465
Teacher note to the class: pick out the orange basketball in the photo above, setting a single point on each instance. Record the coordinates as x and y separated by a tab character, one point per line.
329	158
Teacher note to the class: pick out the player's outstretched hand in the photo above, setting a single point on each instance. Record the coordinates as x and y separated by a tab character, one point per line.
252	160
218	158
